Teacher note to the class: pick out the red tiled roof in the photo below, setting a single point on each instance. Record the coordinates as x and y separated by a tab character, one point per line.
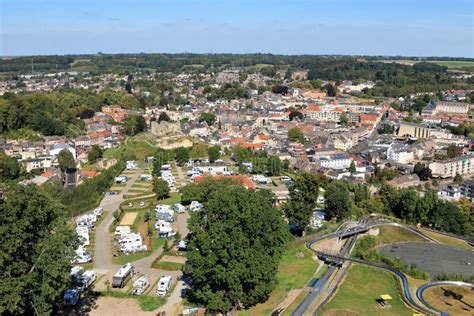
47	174
338	109
264	137
90	174
245	181
313	108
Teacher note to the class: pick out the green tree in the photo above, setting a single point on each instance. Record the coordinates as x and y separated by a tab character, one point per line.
344	119
36	253
295	134
163	117
199	151
454	151
182	155
241	154
94	153
337	200
236	243
330	90
418	168
273	166
352	167
66	160
9	167
134	124
207	117
458	178
302	200
213	153
161	188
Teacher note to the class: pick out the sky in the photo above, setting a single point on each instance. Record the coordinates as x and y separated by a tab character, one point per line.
347	27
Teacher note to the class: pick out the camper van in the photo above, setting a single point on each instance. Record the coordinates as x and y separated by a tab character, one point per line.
164	212
121	231
140	285
164	229
195	206
122	276
82	256
121	179
75	274
178	208
146	177
98	211
164	285
86	280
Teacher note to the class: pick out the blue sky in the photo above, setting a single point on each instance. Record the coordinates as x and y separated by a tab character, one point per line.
350	27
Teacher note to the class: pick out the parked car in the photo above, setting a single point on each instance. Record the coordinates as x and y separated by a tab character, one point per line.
72	297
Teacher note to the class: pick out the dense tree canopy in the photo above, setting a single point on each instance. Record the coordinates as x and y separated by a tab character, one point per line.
36	253
160	188
302	200
235	243
337	200
134	124
295	134
9	167
94	154
66	160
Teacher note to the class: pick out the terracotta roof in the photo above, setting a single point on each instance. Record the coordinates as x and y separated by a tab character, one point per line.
245	181
313	108
337	109
47	174
90	174
264	137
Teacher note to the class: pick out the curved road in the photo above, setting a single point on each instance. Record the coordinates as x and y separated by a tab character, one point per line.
341	256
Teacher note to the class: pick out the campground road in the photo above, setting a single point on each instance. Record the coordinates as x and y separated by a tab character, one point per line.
103	251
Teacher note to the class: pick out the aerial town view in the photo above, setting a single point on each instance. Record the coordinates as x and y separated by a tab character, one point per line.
237	157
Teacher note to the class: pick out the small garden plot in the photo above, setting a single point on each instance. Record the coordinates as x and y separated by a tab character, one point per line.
128	219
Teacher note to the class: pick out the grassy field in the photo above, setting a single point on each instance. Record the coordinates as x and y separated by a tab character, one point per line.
294	272
390	235
132	149
441	298
448	240
358	294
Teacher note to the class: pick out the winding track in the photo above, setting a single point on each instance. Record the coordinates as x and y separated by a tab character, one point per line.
421	289
407	297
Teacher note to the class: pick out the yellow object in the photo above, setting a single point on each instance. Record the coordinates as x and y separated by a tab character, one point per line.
386	297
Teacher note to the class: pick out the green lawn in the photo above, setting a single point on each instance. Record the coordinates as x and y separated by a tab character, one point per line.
155	244
358	294
150	303
294	272
165	265
132	149
390	235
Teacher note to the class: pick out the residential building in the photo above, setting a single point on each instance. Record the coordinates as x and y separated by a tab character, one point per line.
450	167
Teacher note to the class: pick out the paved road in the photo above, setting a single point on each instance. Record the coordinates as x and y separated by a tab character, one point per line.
103	242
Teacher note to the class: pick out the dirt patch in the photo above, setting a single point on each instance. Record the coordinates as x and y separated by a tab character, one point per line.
325	245
112	306
128	218
176	259
143	230
455	300
374	232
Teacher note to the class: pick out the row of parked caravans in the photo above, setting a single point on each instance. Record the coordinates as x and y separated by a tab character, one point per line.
167	175
128	241
84	224
126	272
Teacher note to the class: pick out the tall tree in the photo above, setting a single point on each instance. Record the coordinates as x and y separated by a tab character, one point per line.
337	200
302	200
352	167
161	188
94	153
9	167
274	166
295	134
182	155
207	117
330	90
213	153
236	242
163	117
199	151
66	160
134	124
35	253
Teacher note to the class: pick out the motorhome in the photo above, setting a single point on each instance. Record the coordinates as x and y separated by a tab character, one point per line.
178	208
164	285
131	165
195	206
76	273
82	255
122	276
122	231
146	177
140	285
121	179
164	212
164	229
182	245
98	211
261	179
84	221
166	167
86	280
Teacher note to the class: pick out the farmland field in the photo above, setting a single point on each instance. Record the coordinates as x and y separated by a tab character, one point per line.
451	64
